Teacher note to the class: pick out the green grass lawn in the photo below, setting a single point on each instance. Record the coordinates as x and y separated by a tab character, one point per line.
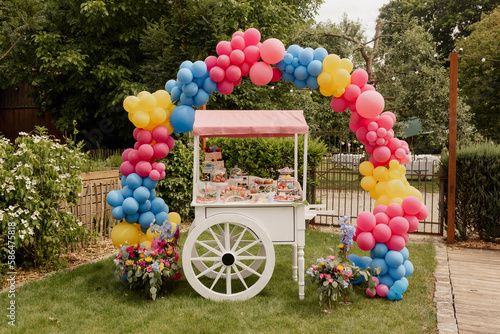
89	299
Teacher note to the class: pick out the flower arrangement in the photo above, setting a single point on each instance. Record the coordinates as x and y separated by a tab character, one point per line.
151	268
335	275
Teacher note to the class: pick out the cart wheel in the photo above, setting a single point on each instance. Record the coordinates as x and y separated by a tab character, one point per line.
234	248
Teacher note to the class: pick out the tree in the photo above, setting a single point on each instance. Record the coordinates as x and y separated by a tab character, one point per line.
479	73
445	20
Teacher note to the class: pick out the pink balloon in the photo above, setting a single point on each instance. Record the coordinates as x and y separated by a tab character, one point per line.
358	232
366	221
382	233
272	50
369	148
423	213
160	150
261	73
394	210
366	88
137	145
381	142
245	68
251	36
382	290
233	73
170	143
366	241
406	236
413	223
355	118
405	160
382	218
143	168
369	293
411	205
134	157
160	134
146	151
160	167
126	168
217	74
276	75
352	106
352	92
370	104
389	135
372	126
396	243
381	154
211	61
385	121
371	136
136	131
361	134
338	104
353	126
381	132
359	77
223	61
375	279
237	57
399	225
379	208
252	54
125	154
238	42
162	175
225	87
154	175
394	144
144	137
390	114
223	48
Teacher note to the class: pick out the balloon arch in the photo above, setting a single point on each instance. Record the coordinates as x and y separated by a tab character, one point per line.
398	205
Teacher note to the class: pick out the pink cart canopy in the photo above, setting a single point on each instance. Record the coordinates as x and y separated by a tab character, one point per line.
249	123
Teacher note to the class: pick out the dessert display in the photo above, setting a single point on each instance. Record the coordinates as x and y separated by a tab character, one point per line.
205	194
234	194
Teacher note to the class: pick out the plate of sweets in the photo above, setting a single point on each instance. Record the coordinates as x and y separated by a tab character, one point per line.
260	181
234	194
286	198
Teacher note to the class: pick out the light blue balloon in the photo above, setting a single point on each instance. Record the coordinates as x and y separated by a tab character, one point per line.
118	213
148	183
367	260
175	95
200	81
199	69
124	181
287	77
294	49
406	253
281	65
315	68
114	198
161	217
157	205
132	218
287	58
289	69
312	82
405	281
190	89
295	62
397	273
152	194
130	205
394	258
379	250
299	84
146	218
134	180
378	262
166	208
201	98
141	194
305	56
209	86
408	267
186	101
186	64
182	119
169	85
391	295
301	73
399	286
399	296
127	191
184	76
320	54
145	206
386	280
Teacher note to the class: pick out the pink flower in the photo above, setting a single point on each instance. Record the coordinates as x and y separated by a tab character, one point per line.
153	253
149	269
330	257
167	264
321	276
119	256
330	280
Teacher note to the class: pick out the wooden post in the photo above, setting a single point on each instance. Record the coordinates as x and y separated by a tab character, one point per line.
452	153
203	140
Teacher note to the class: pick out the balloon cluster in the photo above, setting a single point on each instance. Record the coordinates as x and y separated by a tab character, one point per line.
336	75
148	110
302	66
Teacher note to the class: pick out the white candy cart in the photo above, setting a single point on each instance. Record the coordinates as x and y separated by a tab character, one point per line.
229	252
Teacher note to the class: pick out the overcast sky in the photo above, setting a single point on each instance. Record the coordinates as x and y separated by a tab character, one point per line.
365	10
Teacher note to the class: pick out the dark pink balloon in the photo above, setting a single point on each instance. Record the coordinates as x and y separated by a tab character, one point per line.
359	77
160	150
134	157
423	213
125	154
381	154
413	223
143	168
382	290
136	131
238	42
261	73
126	168
382	218
245	68
223	48
223	61
352	92
170	142
367	88
211	61
252	54
366	221
338	104
251	36
394	210
399	225
366	241
225	87
382	233
145	151
237	57
154	175
233	73
160	134
396	243
379	208
217	74
276	75
144	137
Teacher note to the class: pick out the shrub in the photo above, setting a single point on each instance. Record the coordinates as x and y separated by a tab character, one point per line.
477	202
37	175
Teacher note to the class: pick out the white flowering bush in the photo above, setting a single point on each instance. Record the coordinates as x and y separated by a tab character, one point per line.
37	176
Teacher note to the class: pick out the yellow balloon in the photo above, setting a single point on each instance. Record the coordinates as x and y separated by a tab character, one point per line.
381	188
143	237
147	244
151	126
141	94
381	173
395	188
147	102
346	64
130	103
368	183
158	115
338	92
325	91
393	164
366	168
162	99
331	63
394	174
124	234
325	79
341	78
130	116
150	235
398	200
169	127
174	217
384	199
373	195
402	169
412	191
140	119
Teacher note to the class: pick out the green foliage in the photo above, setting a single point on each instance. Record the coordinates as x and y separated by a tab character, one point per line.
479	76
477	202
177	187
38	175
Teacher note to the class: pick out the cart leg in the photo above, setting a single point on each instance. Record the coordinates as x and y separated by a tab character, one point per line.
301	272
294	262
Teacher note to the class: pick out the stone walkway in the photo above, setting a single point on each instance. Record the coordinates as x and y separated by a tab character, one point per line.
467	290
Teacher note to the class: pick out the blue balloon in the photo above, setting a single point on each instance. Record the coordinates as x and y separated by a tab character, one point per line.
287	77
175	95
301	72
130	206
209	85
312	82
182	119
148	183
118	213
186	100
166	208
184	76
294	49
397	273
399	287
391	295
157	205
134	180
281	65
406	253
394	258
152	194
320	54
305	56
146	218
295	62
299	84
190	89
289	69
114	198
315	68
386	280
169	85
287	58
405	281
123	181
141	194
379	250
200	81
161	217
367	260
201	98
378	262
186	64
132	218
408	267
357	260
199	69
127	191
399	296
145	206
